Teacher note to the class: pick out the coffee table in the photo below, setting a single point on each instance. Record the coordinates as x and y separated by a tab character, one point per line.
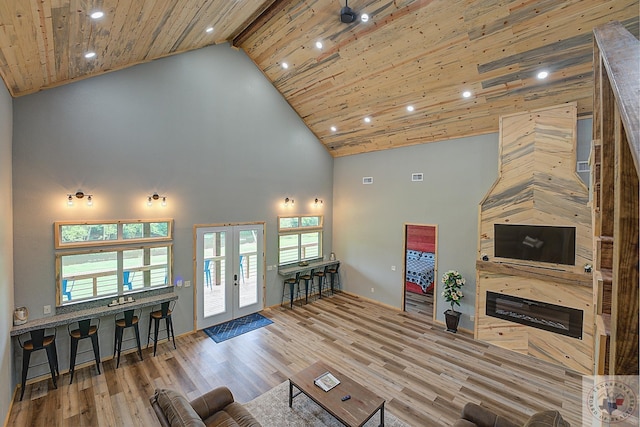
356	411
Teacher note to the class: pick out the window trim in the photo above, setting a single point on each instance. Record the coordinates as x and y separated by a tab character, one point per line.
59	244
299	231
120	246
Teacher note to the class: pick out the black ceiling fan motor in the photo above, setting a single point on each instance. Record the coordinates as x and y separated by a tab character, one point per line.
347	15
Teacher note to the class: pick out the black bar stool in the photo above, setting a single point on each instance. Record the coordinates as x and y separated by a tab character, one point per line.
332	271
322	276
129	320
308	276
85	330
291	282
166	308
39	341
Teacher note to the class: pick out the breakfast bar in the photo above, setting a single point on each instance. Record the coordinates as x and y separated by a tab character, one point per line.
89	313
320	266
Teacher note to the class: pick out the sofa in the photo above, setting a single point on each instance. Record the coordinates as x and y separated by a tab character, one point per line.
215	408
476	416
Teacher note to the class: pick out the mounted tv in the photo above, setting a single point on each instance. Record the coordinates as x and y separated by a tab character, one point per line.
536	243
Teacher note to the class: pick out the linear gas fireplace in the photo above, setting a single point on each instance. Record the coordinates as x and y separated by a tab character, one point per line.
537	314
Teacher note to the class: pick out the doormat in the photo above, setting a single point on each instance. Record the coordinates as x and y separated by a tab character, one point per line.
235	327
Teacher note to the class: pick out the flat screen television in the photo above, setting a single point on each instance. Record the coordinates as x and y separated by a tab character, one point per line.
535	243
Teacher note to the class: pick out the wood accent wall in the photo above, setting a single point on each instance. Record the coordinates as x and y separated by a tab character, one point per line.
615	187
538	185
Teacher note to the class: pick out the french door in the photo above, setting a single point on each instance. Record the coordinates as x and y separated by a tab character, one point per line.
229	276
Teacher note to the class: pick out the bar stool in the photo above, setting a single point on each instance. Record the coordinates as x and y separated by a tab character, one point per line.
166	308
129	320
85	330
332	270
322	280
291	282
307	277
39	341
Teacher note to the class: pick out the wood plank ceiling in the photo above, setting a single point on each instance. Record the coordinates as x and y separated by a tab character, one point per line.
419	53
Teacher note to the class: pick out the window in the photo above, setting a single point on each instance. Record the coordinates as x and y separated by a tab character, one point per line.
299	238
104	259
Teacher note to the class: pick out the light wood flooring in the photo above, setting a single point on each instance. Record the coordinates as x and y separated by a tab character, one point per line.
419	303
425	374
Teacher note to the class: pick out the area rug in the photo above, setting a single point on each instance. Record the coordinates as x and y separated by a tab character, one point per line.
235	327
271	409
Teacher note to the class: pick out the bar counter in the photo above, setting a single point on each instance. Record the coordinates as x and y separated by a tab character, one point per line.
287	270
89	313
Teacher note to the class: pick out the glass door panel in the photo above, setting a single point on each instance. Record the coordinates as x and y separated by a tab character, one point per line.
229	279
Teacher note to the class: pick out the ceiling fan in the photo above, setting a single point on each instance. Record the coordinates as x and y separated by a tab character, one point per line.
347	15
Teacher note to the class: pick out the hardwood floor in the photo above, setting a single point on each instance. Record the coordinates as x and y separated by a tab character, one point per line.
425	374
419	303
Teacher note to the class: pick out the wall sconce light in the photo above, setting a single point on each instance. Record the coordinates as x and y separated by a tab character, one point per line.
288	201
155	196
317	202
79	195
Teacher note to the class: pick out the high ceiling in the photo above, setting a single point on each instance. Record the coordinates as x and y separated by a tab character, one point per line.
419	53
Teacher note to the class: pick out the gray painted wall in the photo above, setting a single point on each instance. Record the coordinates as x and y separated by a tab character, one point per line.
205	128
6	253
369	219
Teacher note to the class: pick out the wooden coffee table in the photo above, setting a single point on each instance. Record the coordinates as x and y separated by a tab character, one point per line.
356	411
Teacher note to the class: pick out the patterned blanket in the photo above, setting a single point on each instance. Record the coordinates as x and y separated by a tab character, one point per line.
420	268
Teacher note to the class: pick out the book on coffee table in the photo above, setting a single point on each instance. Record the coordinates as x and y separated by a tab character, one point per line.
326	381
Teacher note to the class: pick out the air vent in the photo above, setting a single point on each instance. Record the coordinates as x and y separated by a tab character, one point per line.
582	166
367	180
417	177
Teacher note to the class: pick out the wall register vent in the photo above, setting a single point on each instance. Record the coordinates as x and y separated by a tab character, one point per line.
367	180
417	177
582	166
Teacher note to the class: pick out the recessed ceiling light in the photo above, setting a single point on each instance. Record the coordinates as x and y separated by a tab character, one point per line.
333	129
97	14
410	108
89	55
319	44
364	17
466	94
543	75
367	119
209	30
285	65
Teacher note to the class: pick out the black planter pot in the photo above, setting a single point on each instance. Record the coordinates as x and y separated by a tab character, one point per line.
452	318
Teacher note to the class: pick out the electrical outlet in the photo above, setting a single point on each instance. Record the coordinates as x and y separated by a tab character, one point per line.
47	309
472	318
372	290
269	267
179	282
187	283
393	268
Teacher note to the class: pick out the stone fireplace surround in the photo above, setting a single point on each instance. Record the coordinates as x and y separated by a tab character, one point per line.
537	185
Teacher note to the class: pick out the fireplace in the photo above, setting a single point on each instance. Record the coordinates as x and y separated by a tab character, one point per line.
550	317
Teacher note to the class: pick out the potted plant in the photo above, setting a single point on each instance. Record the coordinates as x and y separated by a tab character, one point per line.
452	281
